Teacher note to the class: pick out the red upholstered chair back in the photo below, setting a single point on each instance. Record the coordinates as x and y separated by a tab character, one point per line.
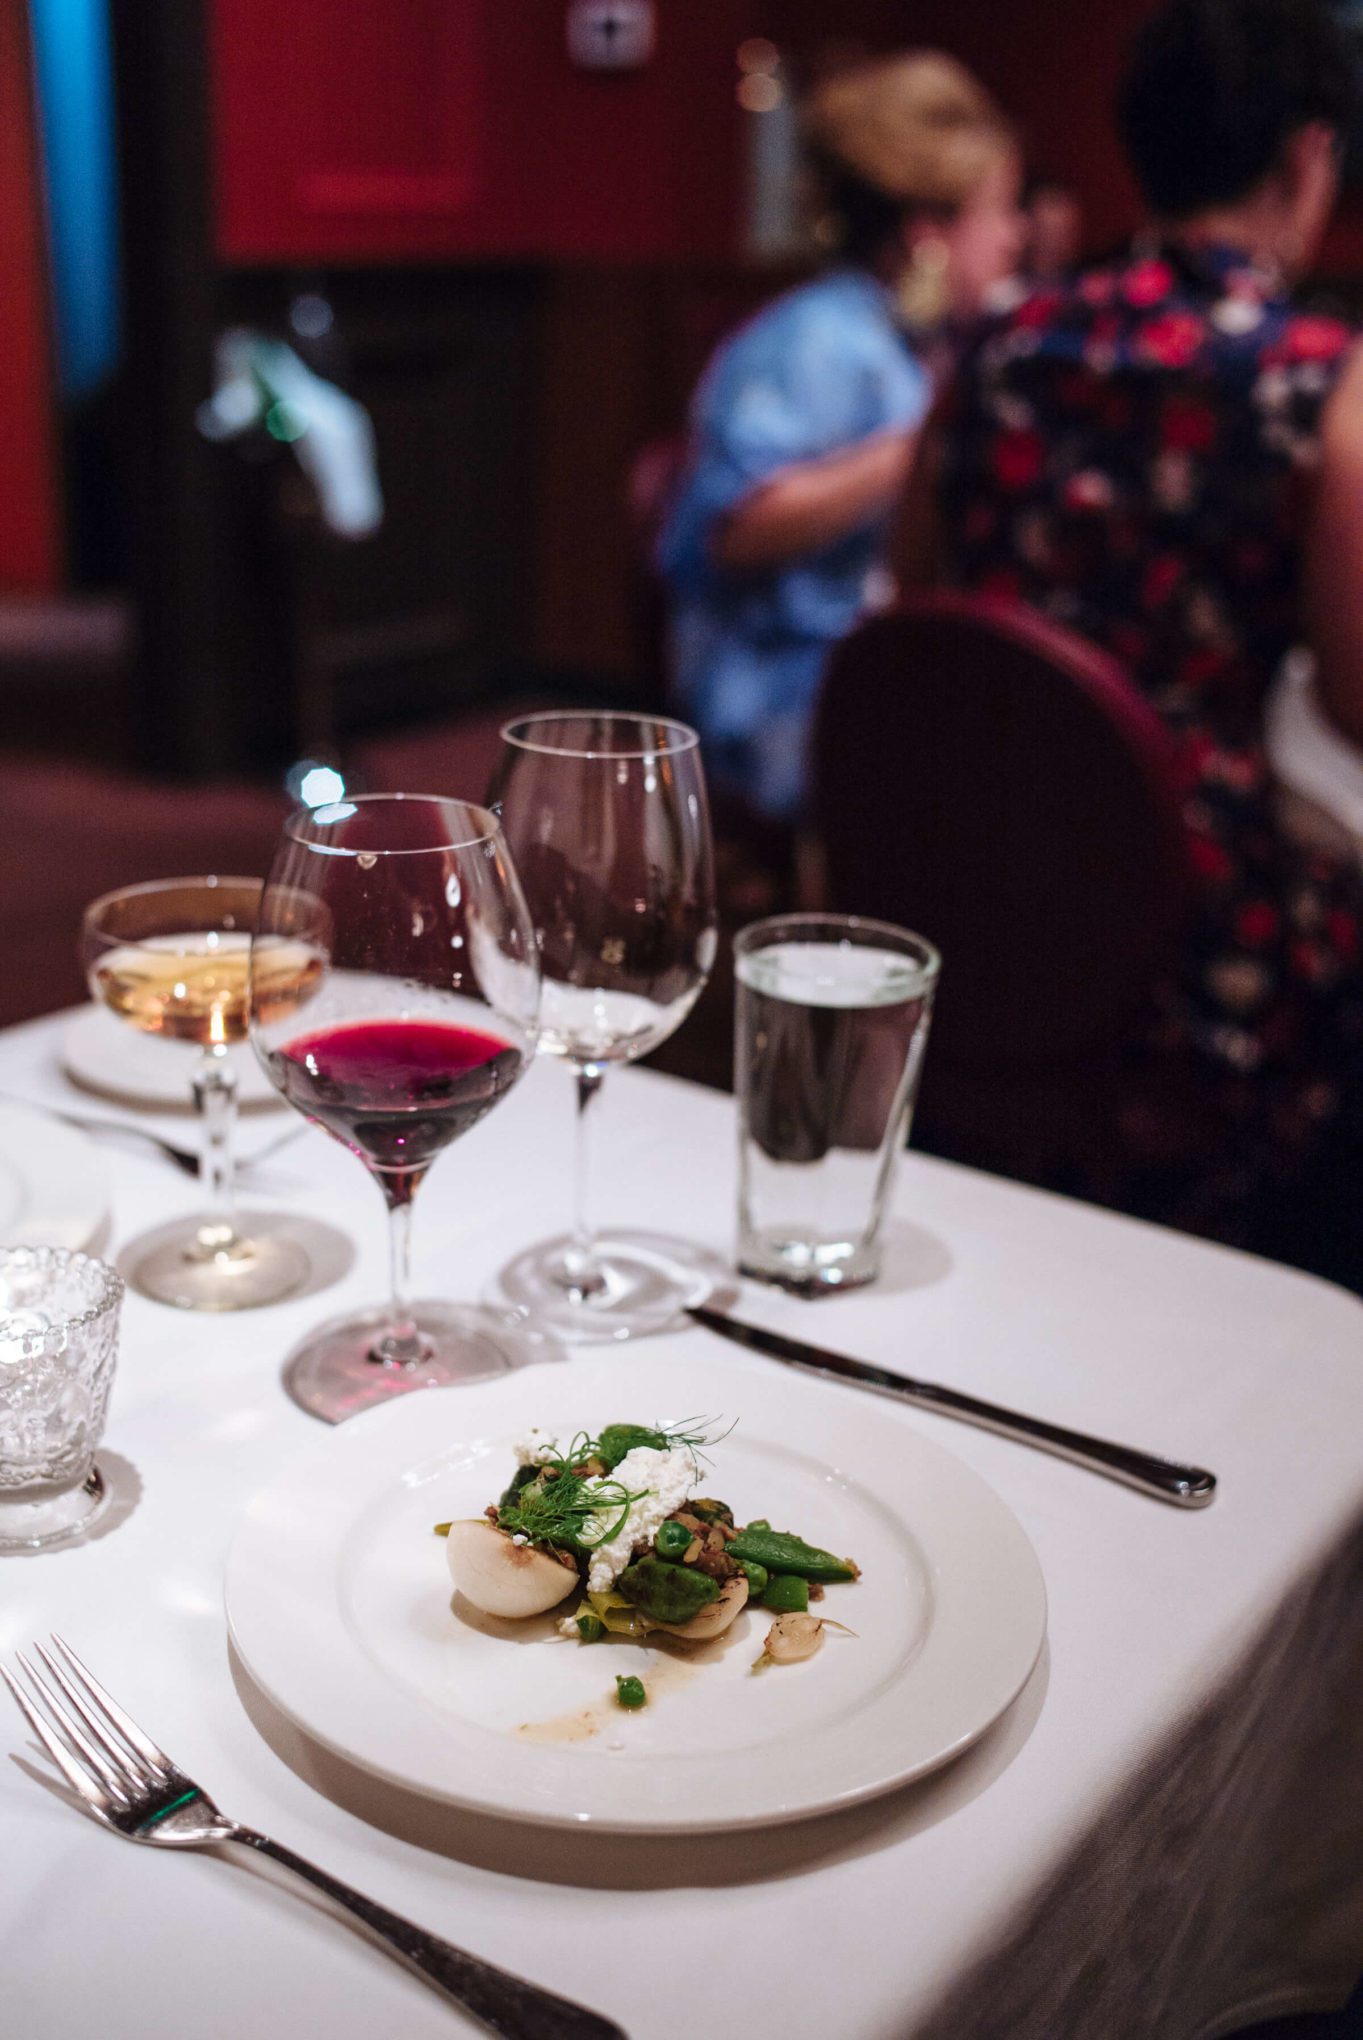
998	784
70	831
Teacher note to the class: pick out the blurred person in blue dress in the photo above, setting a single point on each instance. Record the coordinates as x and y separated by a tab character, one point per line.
803	428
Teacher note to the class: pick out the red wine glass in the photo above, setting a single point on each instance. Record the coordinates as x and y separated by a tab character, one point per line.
423	1015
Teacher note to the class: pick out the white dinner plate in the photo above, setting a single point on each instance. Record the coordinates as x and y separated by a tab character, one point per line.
53	1189
341	1607
103	1053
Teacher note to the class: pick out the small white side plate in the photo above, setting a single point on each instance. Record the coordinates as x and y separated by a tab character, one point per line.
341	1606
53	1187
102	1053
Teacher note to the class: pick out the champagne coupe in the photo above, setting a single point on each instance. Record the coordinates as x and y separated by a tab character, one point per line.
423	1016
607	818
171	958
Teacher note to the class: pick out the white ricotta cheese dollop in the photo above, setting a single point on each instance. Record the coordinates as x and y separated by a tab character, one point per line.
535	1448
662	1480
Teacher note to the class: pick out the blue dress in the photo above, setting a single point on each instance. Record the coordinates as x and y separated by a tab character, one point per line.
822	368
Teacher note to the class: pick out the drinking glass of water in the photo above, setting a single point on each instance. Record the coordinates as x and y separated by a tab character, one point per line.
831	1025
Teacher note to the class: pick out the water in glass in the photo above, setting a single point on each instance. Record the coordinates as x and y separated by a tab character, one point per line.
831	1024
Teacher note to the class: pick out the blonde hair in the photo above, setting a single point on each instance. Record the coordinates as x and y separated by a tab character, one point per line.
917	128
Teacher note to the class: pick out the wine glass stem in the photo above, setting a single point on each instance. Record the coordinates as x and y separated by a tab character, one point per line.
400	1269
215	1099
401	1344
581	1271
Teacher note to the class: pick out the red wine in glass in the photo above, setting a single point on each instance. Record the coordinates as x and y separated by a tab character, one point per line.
397	1091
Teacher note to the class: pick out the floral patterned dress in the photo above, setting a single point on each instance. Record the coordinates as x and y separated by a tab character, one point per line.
1131	454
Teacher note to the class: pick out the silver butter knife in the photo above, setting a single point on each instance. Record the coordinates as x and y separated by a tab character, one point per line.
1187	1487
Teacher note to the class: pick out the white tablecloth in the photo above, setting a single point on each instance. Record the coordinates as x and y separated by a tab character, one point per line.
1163	1837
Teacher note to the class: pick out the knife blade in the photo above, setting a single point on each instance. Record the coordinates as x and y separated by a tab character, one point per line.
1187	1487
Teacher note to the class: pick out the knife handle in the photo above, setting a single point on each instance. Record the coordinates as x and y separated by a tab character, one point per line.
1187	1487
1169	1480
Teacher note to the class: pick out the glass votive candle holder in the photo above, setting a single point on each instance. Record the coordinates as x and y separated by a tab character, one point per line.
58	1345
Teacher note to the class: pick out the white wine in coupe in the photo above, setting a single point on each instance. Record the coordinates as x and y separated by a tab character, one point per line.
172	957
193	987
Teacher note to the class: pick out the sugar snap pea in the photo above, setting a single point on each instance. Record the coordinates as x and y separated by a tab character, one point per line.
619	1439
669	1593
781	1551
787	1594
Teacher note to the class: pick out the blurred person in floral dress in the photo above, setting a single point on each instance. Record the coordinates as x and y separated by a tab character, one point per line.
1165	455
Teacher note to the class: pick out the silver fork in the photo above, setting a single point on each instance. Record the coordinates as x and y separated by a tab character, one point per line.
130	1785
187	1160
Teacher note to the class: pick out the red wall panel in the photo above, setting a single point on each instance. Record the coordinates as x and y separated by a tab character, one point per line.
30	547
353	130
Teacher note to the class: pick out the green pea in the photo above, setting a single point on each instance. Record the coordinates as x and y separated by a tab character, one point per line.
756	1576
590	1627
780	1551
630	1693
673	1540
787	1594
759	1523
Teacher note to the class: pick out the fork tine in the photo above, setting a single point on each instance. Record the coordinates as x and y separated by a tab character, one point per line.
79	1780
76	1739
135	1737
125	1767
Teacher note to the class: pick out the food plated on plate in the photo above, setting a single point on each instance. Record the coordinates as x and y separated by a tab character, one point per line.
344	1614
617	1520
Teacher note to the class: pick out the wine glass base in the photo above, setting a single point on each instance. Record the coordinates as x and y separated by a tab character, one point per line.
332	1375
647	1282
263	1266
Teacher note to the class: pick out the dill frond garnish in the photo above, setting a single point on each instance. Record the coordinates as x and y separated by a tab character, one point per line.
696	1434
571	1503
561	1507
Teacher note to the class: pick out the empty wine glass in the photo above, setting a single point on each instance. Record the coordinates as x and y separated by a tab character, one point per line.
423	1017
608	821
170	958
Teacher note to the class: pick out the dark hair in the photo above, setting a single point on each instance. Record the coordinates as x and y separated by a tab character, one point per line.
1214	88
857	218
